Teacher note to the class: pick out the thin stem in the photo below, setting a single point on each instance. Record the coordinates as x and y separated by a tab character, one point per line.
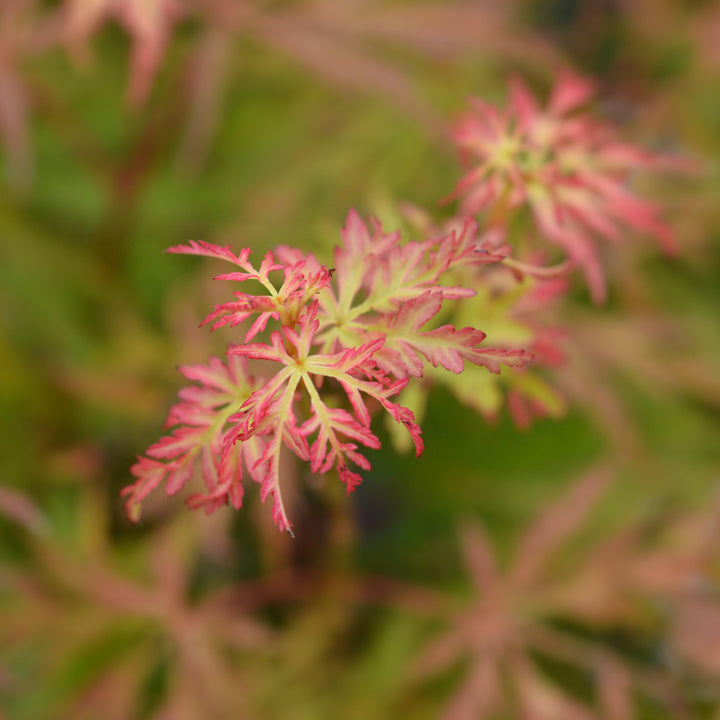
342	530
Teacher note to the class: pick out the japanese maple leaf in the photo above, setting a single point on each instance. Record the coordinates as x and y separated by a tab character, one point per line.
388	271
303	279
375	274
567	167
205	631
199	438
527	611
515	301
269	411
445	346
495	629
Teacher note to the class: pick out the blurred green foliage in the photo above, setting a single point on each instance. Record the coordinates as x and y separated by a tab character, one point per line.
94	319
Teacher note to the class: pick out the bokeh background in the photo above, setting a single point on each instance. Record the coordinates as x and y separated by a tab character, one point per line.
128	126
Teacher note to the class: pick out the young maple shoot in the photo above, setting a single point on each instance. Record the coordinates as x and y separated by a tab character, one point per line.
347	340
358	333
